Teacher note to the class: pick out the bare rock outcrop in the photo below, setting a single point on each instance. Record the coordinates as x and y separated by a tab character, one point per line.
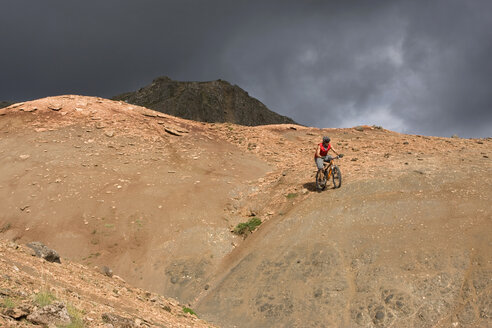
41	250
52	314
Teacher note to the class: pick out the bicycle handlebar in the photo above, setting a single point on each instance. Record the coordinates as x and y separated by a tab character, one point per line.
333	158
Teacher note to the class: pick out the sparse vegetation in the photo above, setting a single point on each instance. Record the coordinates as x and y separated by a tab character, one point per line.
44	298
188	310
93	255
291	195
249	226
76	317
90	256
8	303
5	227
109	225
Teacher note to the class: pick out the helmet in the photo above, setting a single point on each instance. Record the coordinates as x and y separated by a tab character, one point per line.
326	139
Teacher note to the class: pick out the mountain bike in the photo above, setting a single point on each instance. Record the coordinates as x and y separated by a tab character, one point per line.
329	170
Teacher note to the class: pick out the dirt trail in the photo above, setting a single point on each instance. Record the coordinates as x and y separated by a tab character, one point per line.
404	242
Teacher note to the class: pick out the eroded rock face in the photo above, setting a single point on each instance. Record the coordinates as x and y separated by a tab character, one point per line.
41	250
214	101
53	314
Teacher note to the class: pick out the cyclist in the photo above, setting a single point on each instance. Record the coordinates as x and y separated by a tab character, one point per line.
321	154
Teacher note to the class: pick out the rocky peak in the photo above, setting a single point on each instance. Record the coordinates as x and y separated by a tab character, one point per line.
5	104
211	101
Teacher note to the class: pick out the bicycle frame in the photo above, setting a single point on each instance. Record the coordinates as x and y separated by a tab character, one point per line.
328	167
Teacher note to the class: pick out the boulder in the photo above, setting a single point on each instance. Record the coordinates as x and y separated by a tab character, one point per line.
40	250
117	321
107	271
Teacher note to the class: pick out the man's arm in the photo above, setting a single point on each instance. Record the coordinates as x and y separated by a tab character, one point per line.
318	151
334	150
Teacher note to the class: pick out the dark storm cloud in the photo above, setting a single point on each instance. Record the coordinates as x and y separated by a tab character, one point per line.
412	66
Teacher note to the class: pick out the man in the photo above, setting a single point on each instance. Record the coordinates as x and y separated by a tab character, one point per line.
321	154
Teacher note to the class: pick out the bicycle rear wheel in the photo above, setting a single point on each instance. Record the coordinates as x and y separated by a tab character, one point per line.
320	180
337	177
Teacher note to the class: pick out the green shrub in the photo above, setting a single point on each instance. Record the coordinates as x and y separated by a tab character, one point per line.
291	195
188	310
249	226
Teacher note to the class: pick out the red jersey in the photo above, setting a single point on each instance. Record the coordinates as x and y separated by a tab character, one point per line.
323	151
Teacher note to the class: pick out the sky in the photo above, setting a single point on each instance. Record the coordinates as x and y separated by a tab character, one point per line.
418	67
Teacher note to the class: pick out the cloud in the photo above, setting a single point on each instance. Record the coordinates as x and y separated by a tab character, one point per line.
409	66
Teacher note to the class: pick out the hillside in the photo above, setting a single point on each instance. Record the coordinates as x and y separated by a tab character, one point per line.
405	242
90	298
214	101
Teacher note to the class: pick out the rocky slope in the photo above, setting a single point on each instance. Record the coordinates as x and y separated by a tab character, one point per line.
36	292
215	101
405	242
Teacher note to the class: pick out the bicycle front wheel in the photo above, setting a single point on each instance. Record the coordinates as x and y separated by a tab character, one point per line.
320	180
337	177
